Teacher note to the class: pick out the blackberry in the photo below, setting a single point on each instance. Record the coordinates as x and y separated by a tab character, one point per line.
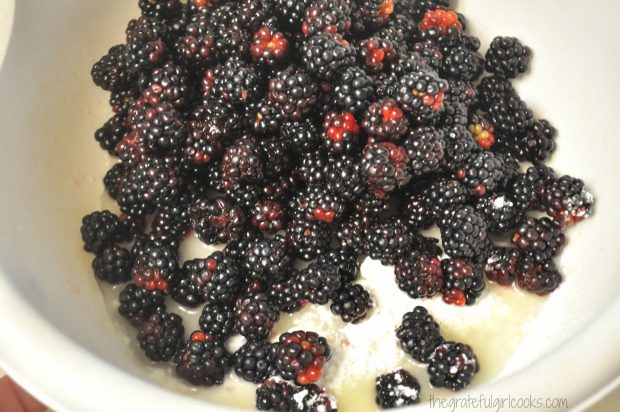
281	189
511	115
111	133
374	203
316	203
276	395
332	16
241	163
464	232
156	268
231	39
255	316
425	148
311	168
324	55
102	229
387	241
567	200
418	212
418	8
269	47
397	389
300	356
217	220
291	13
482	173
386	167
121	101
195	47
540	279
252	362
500	211
144	54
136	304
374	51
264	116
276	158
430	52
160	9
340	132
385	121
444	193
460	147
502	266
266	259
419	334
421	94
418	275
507	57
216	275
541	239
345	261
372	14
351	232
204	361
311	398
202	145
157	181
162	128
302	136
441	26
161	336
319	282
287	295
113	178
482	130
493	89
351	303
535	145
463	281
188	291
113	264
268	216
217	320
110	72
462	63
527	189
353	90
453	366
129	198
343	177
307	240
235	81
294	93
144	29
169	84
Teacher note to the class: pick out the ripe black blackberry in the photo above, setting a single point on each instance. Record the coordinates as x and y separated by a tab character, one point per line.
155	268
113	264
217	220
373	203
294	93
482	173
319	282
374	52
161	336
317	204
444	193
417	211
268	216
453	366
463	281
343	177
311	168
287	294
418	275
386	167
351	303
276	157
430	52
252	362
311	398
244	195
255	316
462	63
111	133
397	389
492	89
541	239
162	128
160	9
301	137
500	211
418	8
353	90
121	101
235	81
300	356
385	121
502	266
264	116
202	146
156	181
269	47
535	145
188	291
144	54
102	229
528	188
110	72
266	260
345	261
276	395
332	16
371	14
460	147
419	334
218	320
340	132
195	46
387	241
464	232
567	200
507	57
421	94
144	29
425	148
231	39
216	275
205	361
324	55
351	232
511	115
136	304
241	163
113	178
306	239
280	189
291	13
538	278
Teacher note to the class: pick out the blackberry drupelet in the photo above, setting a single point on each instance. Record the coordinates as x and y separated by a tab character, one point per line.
241	163
136	304
540	279
567	200
425	148
266	259
387	241
397	389
204	361
453	366
113	264
482	173
161	336
345	261
500	211
419	334
507	57
502	266
463	281
307	239
268	216
216	275
385	121
294	93
252	362
353	90
111	133
332	16
324	55
300	356
421	94
319	282
351	303
110	72
255	316
340	132
386	167
541	239
102	229
418	275
218	320
464	233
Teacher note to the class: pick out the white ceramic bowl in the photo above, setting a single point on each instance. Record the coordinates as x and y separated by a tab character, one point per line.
59	342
